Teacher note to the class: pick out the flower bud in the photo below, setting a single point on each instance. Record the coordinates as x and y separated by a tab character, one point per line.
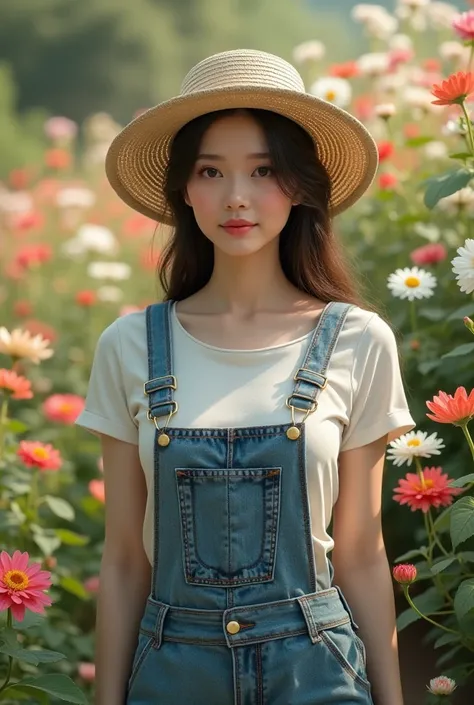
469	323
442	685
405	573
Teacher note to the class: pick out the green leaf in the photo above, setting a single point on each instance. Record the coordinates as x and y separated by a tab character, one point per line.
57	685
461	481
462	520
439	187
460	350
33	656
25	693
459	313
70	538
433	314
466	556
445	639
441	565
460	155
8	639
15	426
428	366
60	507
442	521
428	602
418	141
74	587
410	554
464	599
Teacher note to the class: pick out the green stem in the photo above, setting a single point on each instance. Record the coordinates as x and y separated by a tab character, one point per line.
465	430
10	658
3	422
469	127
424	616
471	57
413	316
435	536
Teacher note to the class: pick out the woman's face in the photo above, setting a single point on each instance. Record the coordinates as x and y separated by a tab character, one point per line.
233	192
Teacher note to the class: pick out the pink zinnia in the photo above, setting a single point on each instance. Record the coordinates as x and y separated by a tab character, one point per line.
22	586
39	455
457	409
442	685
18	386
97	489
463	25
430	490
432	253
86	671
404	573
63	408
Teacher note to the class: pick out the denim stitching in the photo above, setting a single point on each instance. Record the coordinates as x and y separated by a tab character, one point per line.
258	659
347	667
144	653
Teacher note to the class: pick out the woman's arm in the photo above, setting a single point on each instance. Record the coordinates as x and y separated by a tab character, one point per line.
361	567
125	574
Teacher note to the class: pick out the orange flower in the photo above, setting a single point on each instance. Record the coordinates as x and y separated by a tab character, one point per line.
64	408
22	308
97	489
455	89
57	158
430	490
39	455
86	298
457	409
19	387
348	69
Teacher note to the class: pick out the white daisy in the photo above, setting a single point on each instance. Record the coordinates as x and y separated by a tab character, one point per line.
373	63
109	270
411	283
333	90
414	444
463	266
312	50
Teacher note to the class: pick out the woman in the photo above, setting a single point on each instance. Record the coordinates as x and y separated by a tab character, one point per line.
236	412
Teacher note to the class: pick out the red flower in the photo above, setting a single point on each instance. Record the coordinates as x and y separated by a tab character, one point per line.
19	179
39	455
347	69
33	255
404	573
86	298
455	89
19	387
63	408
385	150
432	253
35	327
57	158
430	490
22	308
26	222
387	181
457	409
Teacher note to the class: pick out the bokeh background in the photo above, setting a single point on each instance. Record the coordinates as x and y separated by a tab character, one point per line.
73	258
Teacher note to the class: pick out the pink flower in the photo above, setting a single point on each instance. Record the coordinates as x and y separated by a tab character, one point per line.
18	386
430	490
463	25
97	489
429	254
457	409
86	671
387	181
39	455
442	685
92	584
60	129
63	408
404	573
22	586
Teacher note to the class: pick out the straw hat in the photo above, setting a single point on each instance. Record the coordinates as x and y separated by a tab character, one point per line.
244	78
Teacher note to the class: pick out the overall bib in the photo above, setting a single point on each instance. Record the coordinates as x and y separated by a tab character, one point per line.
234	616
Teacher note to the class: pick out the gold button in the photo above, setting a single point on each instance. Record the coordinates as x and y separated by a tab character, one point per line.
293	433
233	627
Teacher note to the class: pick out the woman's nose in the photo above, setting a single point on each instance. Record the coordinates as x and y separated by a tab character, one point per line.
238	195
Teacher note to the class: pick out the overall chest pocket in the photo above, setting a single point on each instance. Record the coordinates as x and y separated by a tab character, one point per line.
229	524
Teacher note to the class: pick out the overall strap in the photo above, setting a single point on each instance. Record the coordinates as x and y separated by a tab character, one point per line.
161	382
311	377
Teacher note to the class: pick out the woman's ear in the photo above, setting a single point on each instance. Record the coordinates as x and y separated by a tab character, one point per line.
186	197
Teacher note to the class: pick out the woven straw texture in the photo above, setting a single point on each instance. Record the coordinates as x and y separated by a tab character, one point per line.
137	158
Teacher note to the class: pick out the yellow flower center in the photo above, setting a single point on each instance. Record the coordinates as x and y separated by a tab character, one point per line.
65	407
40	453
16	580
412	282
330	95
414	443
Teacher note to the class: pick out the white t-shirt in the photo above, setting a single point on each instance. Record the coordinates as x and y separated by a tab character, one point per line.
217	388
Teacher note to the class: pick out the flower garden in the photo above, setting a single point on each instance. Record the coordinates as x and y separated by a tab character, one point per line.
73	258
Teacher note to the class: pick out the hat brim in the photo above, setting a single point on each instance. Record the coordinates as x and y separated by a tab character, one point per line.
137	159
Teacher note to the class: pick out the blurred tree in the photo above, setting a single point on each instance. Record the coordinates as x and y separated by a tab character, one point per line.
75	57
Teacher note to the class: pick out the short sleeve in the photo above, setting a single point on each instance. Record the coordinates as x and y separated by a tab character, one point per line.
379	404
106	408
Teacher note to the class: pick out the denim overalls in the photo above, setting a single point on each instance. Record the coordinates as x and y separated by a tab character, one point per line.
234	616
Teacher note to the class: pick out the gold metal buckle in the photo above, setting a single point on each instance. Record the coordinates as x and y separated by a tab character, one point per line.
163	403
163	438
302	379
173	385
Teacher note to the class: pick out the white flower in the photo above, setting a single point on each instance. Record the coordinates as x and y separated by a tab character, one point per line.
378	22
411	283
451	50
97	238
333	90
463	266
385	110
462	199
73	248
427	230
400	41
436	150
414	444
441	14
109	270
109	294
21	344
373	63
15	202
453	127
75	197
417	97
313	50
442	685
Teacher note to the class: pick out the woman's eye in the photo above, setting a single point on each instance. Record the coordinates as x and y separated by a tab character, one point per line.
209	172
264	171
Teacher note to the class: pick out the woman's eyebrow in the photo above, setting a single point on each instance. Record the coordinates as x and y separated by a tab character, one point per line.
220	158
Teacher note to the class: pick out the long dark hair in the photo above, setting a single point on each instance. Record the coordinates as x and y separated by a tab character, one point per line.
311	255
